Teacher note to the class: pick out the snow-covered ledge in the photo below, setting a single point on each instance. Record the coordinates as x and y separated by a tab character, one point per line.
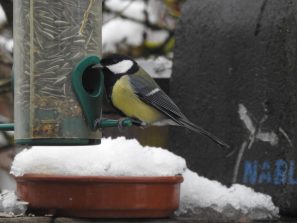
200	197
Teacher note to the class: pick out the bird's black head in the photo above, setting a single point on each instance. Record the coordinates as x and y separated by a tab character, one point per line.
114	67
120	64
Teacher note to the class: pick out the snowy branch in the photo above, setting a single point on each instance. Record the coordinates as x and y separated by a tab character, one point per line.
146	22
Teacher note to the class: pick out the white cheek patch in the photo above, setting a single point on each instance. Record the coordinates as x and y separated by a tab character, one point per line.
121	67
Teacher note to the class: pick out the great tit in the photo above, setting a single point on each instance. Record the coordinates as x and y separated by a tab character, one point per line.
133	92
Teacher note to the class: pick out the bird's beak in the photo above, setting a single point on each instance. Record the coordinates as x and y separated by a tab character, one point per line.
98	66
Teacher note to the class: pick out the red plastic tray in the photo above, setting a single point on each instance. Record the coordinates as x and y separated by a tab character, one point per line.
101	197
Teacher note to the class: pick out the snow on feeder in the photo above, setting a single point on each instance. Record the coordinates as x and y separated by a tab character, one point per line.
50	39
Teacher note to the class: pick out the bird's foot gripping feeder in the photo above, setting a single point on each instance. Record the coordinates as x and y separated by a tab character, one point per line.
58	101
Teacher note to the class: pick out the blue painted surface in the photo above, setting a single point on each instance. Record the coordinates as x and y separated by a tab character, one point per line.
274	172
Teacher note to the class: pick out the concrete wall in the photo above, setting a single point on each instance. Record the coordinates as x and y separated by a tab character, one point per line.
235	74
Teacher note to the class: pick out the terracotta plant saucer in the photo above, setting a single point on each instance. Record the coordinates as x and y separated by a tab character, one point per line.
101	197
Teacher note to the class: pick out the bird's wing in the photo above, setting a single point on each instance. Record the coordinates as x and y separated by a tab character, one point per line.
149	92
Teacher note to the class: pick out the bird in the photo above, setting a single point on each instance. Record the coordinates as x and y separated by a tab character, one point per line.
135	94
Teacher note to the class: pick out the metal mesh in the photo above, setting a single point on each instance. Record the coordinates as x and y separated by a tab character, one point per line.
50	38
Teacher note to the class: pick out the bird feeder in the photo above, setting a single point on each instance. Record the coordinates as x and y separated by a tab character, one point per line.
58	101
56	98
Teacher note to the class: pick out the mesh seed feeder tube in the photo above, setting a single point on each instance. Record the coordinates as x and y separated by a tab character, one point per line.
51	38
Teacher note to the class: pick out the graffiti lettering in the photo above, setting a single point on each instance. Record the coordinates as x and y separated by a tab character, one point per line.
278	172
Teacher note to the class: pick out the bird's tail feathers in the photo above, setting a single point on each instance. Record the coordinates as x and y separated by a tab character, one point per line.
202	131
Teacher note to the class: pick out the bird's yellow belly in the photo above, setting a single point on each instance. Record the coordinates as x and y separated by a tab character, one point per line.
124	99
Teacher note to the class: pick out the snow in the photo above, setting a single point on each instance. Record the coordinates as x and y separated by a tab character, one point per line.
117	31
7	182
127	32
122	157
135	9
2	16
6	43
9	45
127	8
118	157
201	193
160	67
10	205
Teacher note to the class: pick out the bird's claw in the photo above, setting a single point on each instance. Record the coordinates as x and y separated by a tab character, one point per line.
139	123
98	121
134	121
144	125
121	123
